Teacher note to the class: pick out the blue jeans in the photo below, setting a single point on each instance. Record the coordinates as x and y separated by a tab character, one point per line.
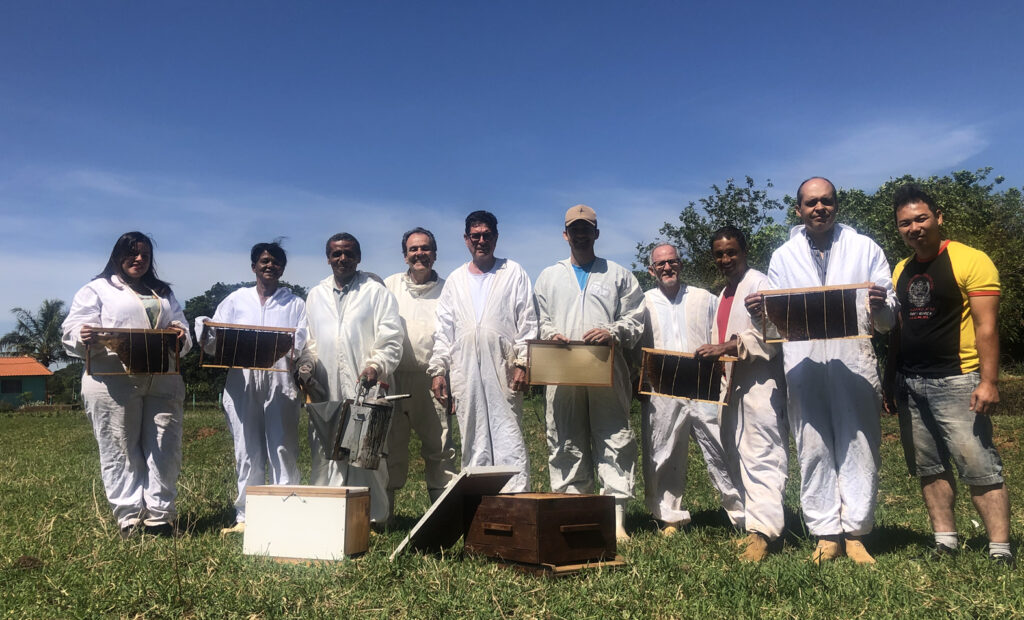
937	425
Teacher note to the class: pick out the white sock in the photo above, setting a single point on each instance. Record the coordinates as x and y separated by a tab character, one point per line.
947	539
999	549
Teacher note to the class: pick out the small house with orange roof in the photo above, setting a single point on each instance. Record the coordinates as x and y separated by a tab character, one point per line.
19	375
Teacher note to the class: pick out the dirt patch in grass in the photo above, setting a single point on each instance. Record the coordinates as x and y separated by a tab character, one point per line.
206	431
28	562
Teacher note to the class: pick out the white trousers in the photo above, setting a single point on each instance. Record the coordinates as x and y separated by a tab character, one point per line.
667	424
756	443
492	429
837	427
420	412
264	423
326	472
137	421
588	428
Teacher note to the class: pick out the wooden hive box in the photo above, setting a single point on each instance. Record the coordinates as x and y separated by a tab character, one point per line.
542	528
301	522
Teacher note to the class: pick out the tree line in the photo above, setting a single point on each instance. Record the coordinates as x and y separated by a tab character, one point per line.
975	210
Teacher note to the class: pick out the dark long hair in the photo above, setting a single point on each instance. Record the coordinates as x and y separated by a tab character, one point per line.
125	246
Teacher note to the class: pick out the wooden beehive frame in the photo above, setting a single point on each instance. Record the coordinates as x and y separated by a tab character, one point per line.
248	362
168	342
551	362
805	302
711	387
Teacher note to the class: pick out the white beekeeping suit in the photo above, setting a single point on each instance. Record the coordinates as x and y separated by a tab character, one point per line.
589	426
681	324
262	406
417	306
480	356
834	401
350	329
754	432
137	419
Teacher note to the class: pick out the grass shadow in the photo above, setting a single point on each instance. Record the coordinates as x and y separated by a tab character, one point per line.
891	539
209	521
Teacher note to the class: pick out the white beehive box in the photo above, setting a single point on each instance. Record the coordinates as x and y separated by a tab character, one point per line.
302	522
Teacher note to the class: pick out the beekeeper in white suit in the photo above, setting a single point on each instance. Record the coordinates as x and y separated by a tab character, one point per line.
753	424
262	406
599	302
137	418
355	334
484	317
680	318
417	290
834	399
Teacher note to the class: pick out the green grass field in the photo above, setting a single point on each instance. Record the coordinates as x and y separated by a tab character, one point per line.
60	554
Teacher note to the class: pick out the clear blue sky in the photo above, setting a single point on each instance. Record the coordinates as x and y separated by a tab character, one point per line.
214	125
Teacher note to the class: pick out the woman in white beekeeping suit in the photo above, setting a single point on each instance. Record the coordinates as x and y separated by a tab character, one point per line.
137	418
262	406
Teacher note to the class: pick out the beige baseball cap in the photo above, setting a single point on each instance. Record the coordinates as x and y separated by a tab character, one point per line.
580	212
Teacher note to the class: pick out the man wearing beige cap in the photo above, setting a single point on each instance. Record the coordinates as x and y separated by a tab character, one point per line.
599	302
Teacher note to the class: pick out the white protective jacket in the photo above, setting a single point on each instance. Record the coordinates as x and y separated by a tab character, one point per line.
588	427
481	357
417	307
262	406
682	324
137	419
754	430
834	401
364	331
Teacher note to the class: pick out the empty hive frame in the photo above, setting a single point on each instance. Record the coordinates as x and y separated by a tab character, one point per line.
246	346
577	363
141	351
813	313
681	375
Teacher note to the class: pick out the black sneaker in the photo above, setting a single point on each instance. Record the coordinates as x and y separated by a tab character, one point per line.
164	529
940	550
1003	559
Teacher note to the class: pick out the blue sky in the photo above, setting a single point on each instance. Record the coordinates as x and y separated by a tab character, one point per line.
214	125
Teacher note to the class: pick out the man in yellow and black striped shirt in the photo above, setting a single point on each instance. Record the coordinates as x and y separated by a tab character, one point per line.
947	358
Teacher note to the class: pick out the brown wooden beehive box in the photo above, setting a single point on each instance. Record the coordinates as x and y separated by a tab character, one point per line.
542	528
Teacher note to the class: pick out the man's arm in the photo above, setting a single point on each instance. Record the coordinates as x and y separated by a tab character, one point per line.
881	296
627	329
388	338
985	310
546	326
892	362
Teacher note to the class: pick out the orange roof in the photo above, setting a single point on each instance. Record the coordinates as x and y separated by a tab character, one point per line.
22	367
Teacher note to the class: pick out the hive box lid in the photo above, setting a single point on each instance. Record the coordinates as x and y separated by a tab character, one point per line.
443	524
306	490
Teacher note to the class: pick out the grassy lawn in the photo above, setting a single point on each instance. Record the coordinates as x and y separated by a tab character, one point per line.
60	555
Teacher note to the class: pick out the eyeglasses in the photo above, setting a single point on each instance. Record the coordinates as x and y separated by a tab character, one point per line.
674	262
827	201
481	236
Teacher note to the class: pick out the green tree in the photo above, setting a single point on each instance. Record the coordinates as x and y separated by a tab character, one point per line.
64	385
208	383
742	205
38	335
974	213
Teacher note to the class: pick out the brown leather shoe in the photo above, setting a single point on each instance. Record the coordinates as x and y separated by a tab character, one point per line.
670	529
826	550
855	551
756	548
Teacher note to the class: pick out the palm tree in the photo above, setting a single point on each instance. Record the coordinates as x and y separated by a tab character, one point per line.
38	335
